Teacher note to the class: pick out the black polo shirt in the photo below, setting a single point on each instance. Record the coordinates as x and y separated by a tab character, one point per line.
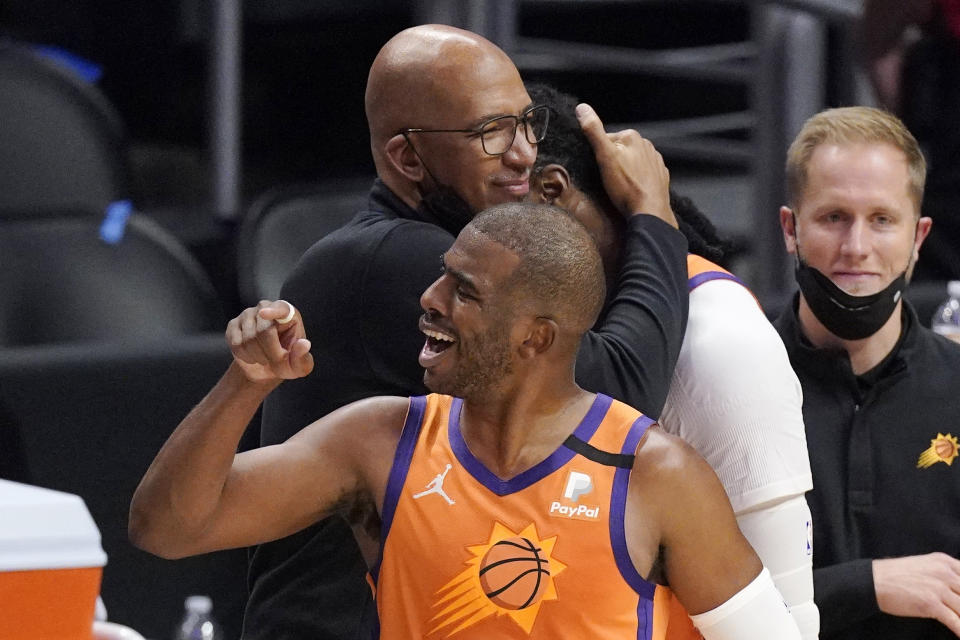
870	498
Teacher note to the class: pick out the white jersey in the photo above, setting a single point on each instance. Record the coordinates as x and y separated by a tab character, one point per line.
735	398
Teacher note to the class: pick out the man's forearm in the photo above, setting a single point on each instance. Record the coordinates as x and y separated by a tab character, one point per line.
181	489
632	353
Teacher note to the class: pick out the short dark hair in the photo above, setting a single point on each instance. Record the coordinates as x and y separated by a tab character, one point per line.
565	143
567	146
560	273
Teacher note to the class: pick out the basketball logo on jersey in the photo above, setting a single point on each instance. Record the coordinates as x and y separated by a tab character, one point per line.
511	574
578	484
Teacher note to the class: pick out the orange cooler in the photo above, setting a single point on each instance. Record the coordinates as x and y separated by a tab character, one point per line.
51	561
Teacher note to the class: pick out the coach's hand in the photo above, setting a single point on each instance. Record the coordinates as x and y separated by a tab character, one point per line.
633	172
268	342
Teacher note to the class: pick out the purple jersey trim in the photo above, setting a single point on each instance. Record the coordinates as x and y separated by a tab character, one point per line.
645	618
585	430
398	472
707	276
618	503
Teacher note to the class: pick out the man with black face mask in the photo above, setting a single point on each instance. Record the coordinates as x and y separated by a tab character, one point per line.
452	132
881	393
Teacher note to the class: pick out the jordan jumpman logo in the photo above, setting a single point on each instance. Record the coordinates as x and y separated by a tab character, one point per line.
436	486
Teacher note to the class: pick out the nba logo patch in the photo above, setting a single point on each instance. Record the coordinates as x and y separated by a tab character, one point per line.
577	485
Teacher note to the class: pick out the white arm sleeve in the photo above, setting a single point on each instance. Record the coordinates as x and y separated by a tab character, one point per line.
756	612
781	534
735	398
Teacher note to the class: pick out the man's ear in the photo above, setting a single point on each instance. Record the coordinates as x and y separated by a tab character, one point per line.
541	333
404	159
550	183
923	229
788	225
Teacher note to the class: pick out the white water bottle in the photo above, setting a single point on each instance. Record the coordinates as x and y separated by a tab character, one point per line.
946	321
198	622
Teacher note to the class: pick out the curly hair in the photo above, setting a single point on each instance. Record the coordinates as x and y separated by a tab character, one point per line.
567	146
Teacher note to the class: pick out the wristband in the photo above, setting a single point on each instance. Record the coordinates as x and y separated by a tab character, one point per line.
756	612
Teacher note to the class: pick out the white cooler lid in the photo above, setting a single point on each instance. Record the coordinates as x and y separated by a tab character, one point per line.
46	529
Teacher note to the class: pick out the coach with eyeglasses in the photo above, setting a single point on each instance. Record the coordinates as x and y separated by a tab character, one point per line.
452	132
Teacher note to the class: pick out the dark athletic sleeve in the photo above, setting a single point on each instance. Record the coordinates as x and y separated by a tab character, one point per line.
845	595
631	355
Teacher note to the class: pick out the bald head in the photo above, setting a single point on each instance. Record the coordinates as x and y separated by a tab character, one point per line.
431	78
421	75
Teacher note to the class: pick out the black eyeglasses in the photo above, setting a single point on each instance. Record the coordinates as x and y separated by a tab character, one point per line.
497	134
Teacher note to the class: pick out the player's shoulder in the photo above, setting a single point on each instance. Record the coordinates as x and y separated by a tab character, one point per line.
669	476
376	411
726	297
731	350
725	319
366	431
662	458
374	419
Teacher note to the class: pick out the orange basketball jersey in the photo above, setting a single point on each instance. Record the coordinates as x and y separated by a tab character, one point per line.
465	554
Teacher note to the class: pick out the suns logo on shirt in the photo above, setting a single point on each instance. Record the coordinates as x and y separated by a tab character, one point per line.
578	484
511	574
943	448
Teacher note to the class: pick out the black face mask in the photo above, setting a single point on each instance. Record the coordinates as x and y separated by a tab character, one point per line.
446	209
846	316
443	206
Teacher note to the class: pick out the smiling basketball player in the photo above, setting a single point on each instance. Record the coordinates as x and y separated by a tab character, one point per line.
511	503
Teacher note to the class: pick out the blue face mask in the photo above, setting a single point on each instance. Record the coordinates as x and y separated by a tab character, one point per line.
846	316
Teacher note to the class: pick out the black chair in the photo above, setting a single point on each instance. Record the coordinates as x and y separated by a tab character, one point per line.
61	282
283	223
63	143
